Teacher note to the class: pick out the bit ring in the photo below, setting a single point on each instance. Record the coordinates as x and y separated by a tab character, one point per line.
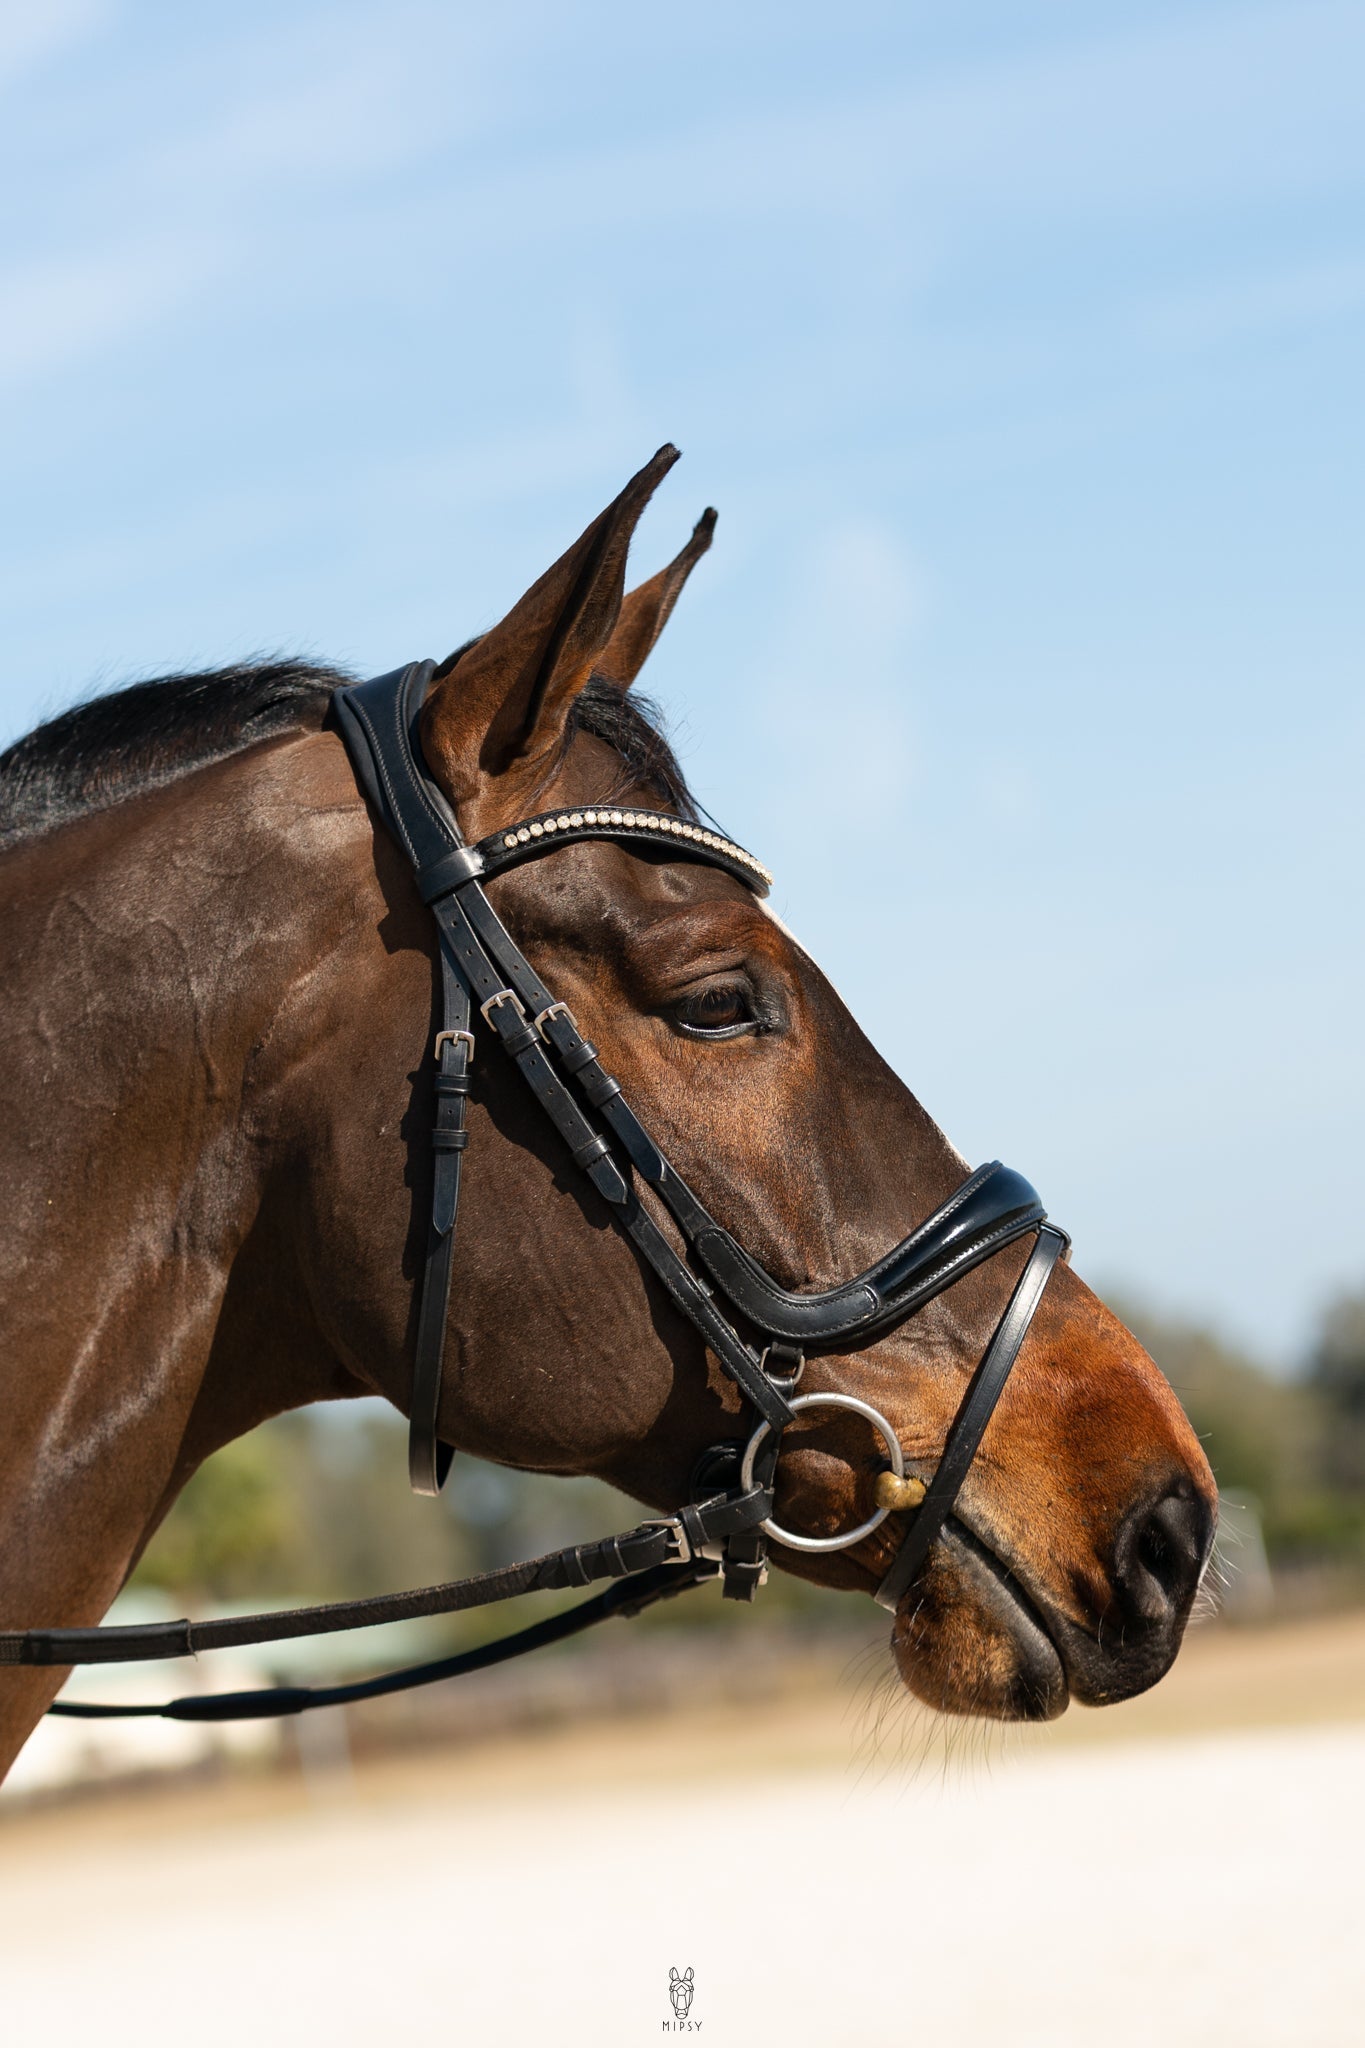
787	1537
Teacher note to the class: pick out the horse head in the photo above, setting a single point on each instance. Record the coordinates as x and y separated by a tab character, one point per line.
1073	1556
221	989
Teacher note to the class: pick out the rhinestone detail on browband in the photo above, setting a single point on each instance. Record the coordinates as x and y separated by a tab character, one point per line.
609	819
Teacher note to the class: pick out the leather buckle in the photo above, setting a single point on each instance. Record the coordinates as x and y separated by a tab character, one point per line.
502	995
682	1554
555	1010
453	1038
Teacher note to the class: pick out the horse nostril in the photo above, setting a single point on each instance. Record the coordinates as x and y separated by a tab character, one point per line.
1159	1555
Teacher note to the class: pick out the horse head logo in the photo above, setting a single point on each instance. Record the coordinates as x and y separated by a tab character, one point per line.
680	1991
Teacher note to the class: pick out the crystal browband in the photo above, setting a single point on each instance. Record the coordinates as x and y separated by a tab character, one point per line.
553	828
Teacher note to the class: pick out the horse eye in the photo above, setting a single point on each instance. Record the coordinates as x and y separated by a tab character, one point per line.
723	1011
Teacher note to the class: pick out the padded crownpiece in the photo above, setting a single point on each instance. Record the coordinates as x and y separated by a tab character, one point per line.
378	723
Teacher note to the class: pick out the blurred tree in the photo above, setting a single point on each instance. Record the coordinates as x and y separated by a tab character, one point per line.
229	1532
309	1506
1266	1438
316	1506
1336	1371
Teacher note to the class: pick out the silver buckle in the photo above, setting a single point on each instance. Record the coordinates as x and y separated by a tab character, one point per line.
453	1038
554	1010
503	995
683	1553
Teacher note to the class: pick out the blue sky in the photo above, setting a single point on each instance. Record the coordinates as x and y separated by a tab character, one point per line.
1020	350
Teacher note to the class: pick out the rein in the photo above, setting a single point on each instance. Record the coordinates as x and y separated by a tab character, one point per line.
724	1531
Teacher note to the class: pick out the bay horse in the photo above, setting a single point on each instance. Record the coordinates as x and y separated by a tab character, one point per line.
219	993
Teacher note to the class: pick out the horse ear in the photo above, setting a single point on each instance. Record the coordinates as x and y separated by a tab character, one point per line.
688	1974
501	706
673	1973
644	613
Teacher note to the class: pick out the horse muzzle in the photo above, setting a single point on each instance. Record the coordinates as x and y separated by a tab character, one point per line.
983	1634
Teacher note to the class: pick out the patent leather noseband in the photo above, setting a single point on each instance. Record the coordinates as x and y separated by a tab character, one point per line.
759	1332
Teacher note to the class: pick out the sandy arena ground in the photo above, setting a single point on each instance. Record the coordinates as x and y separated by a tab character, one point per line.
1186	1869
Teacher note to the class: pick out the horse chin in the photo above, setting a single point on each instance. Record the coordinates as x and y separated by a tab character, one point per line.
969	1641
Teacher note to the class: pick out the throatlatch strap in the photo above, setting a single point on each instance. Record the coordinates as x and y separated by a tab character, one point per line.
429	1460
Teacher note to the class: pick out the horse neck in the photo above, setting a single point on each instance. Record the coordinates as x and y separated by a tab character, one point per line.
148	955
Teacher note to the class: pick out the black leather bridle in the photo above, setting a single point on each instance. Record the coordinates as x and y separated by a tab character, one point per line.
760	1343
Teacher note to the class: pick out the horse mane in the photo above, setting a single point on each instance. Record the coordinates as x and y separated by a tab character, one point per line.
148	734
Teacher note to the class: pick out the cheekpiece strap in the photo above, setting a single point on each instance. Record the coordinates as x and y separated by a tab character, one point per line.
379	724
